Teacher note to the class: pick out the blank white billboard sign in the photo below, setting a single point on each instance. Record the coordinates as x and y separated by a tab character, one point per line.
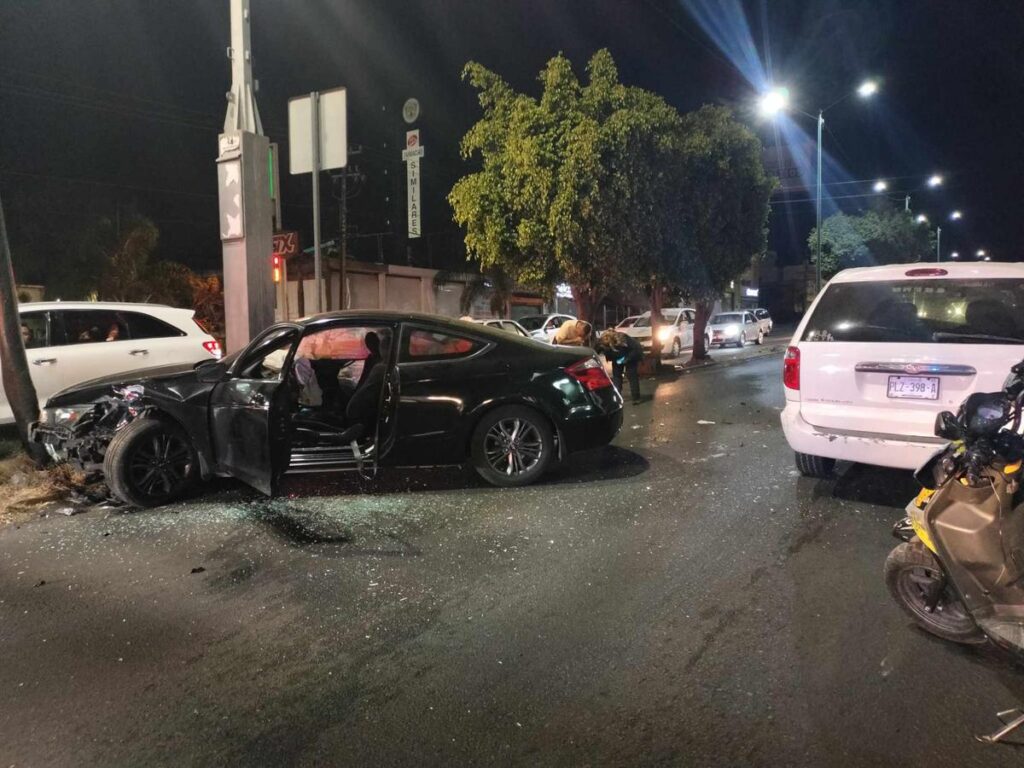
333	132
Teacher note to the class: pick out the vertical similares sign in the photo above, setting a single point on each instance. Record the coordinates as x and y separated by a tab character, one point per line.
412	154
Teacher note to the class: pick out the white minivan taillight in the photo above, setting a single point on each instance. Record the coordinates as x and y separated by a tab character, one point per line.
791	368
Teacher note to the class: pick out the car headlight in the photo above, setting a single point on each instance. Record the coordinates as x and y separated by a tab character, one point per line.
664	334
66	415
731	330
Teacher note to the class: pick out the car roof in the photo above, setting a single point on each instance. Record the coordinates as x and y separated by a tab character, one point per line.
125	305
953	271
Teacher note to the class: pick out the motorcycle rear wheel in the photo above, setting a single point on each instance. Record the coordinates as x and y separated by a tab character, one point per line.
910	570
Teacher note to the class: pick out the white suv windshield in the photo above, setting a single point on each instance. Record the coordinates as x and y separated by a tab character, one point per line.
921	311
645	321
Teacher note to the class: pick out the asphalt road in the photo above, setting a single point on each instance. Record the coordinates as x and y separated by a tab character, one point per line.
679	598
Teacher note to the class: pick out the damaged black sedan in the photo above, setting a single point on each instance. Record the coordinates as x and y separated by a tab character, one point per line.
341	391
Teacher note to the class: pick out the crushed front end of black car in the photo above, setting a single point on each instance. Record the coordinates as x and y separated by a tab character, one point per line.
80	436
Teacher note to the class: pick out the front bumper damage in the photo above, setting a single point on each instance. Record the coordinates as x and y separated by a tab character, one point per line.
83	443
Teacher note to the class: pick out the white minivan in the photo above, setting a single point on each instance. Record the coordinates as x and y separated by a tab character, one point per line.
882	350
71	342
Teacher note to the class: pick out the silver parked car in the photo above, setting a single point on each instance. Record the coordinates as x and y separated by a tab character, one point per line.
764	320
733	328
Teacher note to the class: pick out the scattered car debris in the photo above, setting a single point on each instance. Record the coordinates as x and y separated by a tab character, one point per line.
704	421
198	569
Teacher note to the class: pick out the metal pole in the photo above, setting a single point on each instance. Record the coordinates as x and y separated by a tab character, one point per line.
314	106
906	203
344	232
938	243
817	245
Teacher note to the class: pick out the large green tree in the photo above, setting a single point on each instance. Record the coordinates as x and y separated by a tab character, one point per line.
129	270
725	213
885	236
573	186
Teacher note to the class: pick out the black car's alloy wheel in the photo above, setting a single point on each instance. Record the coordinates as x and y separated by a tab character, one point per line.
511	446
150	462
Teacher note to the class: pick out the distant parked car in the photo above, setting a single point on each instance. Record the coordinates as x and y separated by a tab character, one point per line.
543	327
628	322
883	350
733	328
71	342
764	320
675	334
511	326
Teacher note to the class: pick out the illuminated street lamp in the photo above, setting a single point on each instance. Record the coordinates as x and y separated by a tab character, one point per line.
955	216
935	180
955	255
880	186
777	100
981	253
867	88
921	219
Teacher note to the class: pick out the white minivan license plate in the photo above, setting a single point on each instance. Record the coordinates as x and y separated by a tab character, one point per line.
914	387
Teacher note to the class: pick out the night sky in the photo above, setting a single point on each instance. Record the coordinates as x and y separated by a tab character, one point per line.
115	106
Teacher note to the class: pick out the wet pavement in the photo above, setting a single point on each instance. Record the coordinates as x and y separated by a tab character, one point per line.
681	597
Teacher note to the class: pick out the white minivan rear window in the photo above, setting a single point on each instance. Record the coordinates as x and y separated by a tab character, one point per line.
921	311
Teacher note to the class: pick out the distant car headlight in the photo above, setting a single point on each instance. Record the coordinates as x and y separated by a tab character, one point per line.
664	335
66	415
731	330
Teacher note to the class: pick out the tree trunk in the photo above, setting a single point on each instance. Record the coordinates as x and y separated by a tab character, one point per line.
656	320
586	302
700	324
14	373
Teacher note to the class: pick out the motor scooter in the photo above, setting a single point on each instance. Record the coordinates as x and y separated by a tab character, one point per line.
959	571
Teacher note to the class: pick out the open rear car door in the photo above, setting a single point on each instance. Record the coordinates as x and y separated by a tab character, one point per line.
251	411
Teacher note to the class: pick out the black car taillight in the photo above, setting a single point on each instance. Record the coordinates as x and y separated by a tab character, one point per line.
590	373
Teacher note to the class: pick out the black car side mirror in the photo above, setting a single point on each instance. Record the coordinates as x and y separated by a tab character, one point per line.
947	426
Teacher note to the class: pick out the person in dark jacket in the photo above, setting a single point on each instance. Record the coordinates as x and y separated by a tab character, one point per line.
624	353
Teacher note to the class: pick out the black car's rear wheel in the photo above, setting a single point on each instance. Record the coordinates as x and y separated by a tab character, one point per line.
512	445
150	462
917	584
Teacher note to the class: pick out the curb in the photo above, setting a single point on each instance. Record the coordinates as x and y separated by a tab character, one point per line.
727	363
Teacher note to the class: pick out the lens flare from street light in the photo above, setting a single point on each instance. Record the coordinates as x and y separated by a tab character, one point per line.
880	186
867	89
956	215
980	254
921	218
935	180
955	255
774	101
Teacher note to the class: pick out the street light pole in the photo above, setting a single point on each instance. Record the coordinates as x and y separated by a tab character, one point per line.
938	243
817	243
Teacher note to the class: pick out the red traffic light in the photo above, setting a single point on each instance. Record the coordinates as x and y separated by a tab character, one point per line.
275	263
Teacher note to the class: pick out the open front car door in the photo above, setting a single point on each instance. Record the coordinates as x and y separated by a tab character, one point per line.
251	410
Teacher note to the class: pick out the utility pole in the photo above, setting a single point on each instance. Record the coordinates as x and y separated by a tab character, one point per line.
817	244
342	198
938	243
243	180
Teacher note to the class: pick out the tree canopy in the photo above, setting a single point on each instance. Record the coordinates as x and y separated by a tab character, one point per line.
884	236
725	216
573	185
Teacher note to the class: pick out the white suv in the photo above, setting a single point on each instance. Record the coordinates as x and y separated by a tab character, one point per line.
882	350
71	342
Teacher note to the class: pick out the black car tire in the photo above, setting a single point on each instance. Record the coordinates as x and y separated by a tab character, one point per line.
150	462
814	466
488	433
908	570
760	338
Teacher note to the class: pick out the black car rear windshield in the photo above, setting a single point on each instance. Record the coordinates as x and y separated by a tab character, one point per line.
921	311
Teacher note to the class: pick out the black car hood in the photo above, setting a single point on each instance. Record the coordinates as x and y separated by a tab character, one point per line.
164	378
